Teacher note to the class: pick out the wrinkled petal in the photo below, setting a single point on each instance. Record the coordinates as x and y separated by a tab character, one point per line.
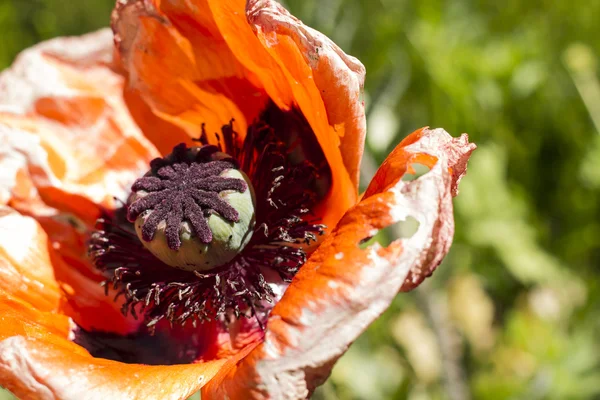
198	62
344	287
67	146
425	147
67	139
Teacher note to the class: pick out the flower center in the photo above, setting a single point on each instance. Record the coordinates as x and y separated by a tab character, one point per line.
194	209
236	229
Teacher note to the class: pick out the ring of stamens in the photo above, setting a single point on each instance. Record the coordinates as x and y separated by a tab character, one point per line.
285	191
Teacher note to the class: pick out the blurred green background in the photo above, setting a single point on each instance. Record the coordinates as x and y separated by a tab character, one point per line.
514	311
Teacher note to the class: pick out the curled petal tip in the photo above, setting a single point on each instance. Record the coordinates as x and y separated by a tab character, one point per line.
454	151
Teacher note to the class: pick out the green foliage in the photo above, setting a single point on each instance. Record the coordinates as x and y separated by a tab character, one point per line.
514	311
26	22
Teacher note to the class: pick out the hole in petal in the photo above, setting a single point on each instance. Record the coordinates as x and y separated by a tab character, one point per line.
366	242
369	240
400	230
403	229
418	171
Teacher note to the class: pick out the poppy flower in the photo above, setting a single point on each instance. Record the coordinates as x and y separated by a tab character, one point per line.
180	208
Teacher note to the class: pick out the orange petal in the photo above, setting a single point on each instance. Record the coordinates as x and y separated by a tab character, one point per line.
25	266
326	83
298	66
190	63
343	287
33	271
38	361
177	63
68	140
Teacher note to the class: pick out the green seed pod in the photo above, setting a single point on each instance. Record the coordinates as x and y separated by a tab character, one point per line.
199	216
